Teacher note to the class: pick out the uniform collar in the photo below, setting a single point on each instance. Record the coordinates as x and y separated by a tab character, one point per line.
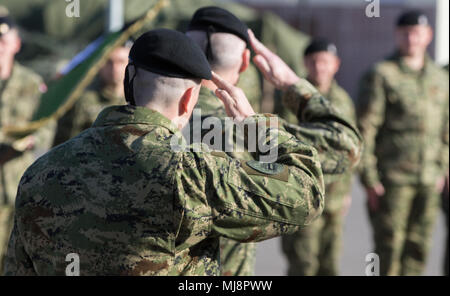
123	115
333	86
406	69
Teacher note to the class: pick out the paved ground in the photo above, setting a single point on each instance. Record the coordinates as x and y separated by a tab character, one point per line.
357	243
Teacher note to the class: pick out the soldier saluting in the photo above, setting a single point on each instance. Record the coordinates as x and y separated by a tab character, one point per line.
120	197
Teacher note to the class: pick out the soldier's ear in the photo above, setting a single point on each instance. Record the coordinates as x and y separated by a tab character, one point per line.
245	60
187	101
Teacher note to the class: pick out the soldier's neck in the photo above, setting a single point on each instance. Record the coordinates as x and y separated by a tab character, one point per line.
6	69
416	62
116	89
323	87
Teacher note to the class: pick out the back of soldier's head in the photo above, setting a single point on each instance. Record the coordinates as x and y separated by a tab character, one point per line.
221	35
161	64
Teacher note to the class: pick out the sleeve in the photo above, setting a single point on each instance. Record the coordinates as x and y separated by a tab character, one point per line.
251	200
371	115
17	262
321	125
11	145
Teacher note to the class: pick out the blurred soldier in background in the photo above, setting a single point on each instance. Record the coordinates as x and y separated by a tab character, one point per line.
107	91
404	119
315	250
20	89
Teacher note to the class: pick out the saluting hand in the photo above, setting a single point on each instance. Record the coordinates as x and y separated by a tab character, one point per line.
234	99
272	66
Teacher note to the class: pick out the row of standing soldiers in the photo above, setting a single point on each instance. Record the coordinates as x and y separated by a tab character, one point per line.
402	114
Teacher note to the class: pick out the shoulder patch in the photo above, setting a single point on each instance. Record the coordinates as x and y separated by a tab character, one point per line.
271	170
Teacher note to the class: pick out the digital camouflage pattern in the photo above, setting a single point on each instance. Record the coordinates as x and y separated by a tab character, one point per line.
315	249
121	198
239	259
120	182
84	112
405	123
236	259
336	138
19	98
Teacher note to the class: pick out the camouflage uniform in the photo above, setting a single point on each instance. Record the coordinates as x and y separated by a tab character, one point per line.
84	112
404	120
19	98
121	198
236	259
239	259
315	249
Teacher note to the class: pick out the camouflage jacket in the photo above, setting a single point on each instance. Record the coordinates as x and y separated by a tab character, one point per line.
19	99
211	106
404	118
334	134
121	198
338	190
84	112
337	140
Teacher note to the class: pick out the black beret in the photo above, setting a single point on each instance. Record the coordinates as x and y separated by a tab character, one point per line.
319	45
412	18
169	53
6	21
220	21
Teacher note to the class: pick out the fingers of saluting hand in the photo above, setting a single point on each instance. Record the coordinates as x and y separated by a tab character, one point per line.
222	84
258	47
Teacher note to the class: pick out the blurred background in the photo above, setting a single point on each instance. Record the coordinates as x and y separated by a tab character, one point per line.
51	39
